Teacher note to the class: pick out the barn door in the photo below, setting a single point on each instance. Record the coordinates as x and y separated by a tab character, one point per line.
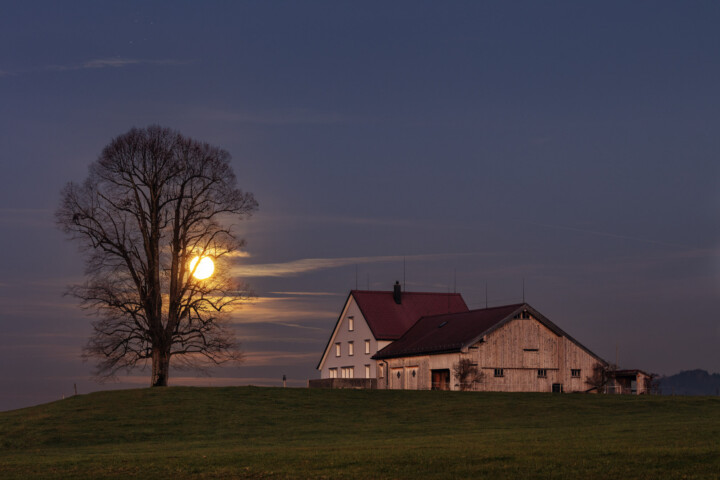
441	379
411	378
396	378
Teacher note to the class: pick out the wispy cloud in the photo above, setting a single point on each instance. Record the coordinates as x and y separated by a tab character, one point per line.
95	64
26	217
307	265
261	359
135	380
282	311
280	117
609	235
309	294
238	254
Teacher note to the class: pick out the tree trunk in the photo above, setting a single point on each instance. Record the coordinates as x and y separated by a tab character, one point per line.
160	367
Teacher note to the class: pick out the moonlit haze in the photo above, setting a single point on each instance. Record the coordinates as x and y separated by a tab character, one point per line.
567	152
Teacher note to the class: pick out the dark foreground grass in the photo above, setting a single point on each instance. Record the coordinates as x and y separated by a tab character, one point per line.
262	433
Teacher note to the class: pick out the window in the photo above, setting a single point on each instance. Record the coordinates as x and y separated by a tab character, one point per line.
499	372
530	349
348	372
351	324
542	373
575	372
337	349
367	347
367	371
333	373
351	348
382	370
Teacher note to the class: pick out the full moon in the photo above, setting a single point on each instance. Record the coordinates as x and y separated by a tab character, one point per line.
204	269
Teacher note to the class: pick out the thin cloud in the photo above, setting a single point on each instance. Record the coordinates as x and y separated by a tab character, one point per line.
290	117
26	217
307	265
609	235
212	381
238	254
95	64
268	358
276	314
309	294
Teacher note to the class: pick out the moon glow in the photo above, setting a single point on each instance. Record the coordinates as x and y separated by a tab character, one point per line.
204	269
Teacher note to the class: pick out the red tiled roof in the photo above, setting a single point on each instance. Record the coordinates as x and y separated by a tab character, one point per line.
389	321
446	333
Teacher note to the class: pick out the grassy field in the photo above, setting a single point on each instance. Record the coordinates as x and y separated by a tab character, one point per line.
249	432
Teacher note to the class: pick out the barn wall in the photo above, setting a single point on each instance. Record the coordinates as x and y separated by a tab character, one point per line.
520	348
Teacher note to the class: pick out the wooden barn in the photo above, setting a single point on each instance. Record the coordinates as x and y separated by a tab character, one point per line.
512	348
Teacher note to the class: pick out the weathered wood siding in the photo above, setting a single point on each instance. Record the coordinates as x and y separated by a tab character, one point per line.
520	349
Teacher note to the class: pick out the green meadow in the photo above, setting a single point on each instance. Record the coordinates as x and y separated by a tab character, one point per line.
275	433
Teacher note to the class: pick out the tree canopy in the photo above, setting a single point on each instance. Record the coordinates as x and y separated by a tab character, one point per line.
153	201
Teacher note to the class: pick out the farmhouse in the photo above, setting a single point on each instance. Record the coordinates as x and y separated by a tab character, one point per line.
370	321
423	341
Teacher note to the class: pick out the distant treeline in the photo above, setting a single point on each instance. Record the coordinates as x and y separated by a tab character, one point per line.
691	382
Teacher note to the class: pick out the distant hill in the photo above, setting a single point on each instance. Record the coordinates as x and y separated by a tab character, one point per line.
691	382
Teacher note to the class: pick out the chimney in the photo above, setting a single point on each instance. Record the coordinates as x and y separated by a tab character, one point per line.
397	293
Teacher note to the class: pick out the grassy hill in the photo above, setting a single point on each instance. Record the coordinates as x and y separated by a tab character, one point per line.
264	433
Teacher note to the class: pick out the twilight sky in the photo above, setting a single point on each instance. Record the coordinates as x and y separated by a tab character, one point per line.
570	144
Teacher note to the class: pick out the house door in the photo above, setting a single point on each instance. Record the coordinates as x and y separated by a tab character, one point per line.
441	379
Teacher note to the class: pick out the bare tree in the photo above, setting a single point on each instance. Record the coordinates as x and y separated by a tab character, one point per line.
600	377
652	384
467	374
152	202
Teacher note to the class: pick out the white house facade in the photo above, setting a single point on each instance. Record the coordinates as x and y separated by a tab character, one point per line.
370	321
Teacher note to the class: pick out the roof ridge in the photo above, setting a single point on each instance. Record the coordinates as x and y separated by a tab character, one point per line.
497	306
406	293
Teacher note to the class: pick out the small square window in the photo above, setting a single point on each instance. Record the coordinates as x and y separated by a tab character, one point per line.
337	350
542	373
351	348
575	372
499	372
351	323
367	347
